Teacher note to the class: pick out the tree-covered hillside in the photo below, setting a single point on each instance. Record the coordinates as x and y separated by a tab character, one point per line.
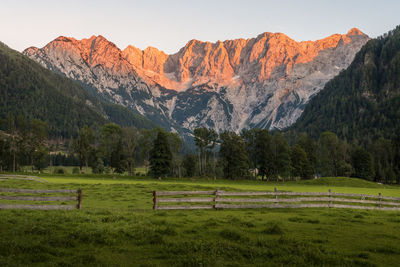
362	103
33	92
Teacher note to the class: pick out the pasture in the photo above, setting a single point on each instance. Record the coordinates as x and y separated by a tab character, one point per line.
117	227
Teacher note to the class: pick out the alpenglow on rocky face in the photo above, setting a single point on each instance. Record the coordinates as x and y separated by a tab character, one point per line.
261	82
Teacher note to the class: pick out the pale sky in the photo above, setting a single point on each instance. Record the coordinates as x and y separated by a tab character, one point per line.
170	24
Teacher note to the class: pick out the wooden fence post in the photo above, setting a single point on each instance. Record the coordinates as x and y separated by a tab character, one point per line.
216	197
330	198
276	196
380	200
79	198
154	200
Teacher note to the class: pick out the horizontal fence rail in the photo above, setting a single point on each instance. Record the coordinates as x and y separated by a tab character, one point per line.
41	206
22	177
218	199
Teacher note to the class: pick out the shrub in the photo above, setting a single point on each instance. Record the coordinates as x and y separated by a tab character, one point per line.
60	171
75	170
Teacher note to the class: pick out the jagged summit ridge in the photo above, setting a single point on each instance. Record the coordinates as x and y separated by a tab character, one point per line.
227	85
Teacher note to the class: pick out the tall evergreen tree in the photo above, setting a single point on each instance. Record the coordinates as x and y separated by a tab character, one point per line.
264	154
160	156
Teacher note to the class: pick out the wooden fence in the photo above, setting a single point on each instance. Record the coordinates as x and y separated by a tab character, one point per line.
218	199
62	198
22	177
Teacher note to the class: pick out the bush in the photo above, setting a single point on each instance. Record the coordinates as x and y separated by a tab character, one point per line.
98	166
60	171
75	170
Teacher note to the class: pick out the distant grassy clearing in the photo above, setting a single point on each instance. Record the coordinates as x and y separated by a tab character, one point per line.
117	226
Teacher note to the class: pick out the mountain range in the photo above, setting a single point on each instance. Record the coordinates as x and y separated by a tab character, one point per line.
262	82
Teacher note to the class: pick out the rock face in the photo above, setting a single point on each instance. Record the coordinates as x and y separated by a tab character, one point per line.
260	82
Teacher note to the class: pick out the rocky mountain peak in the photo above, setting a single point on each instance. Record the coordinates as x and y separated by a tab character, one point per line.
355	31
258	82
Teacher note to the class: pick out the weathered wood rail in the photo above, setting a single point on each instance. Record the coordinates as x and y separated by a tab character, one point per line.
77	197
218	199
22	177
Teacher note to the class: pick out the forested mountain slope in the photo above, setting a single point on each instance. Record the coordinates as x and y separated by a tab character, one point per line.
29	90
362	103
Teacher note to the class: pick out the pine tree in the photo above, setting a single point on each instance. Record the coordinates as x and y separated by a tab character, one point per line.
160	156
264	154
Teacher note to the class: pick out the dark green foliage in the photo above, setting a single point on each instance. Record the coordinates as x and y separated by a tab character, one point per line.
331	155
234	156
396	156
300	164
84	146
362	163
250	137
33	136
111	146
383	152
189	164
33	92
281	152
310	147
264	154
160	156
362	103
146	141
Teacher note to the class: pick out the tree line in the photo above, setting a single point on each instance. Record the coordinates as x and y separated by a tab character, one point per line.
109	148
258	153
255	153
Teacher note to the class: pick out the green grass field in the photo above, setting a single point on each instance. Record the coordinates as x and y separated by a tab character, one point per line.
117	227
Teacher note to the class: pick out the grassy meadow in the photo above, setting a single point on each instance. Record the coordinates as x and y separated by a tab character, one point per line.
117	227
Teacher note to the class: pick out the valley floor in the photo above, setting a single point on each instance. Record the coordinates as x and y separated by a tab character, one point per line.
117	227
